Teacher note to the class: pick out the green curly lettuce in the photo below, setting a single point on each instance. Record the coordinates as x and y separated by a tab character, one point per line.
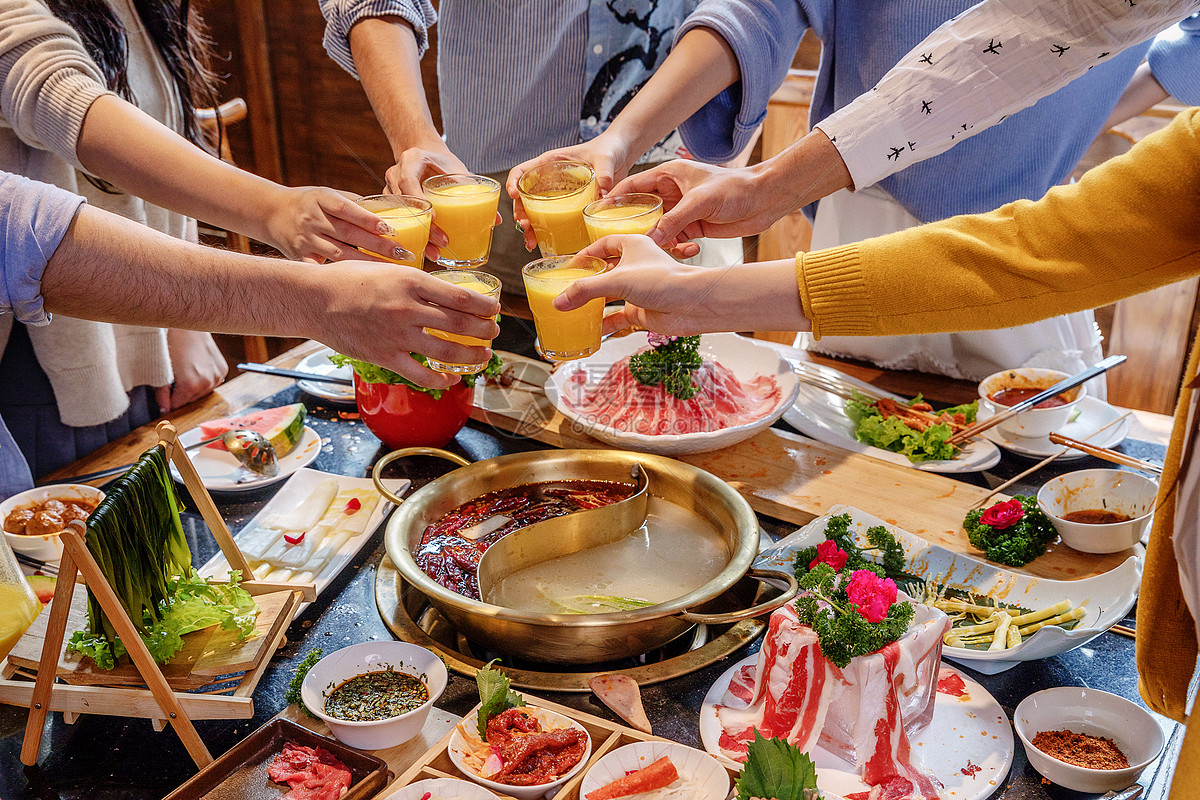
373	373
931	444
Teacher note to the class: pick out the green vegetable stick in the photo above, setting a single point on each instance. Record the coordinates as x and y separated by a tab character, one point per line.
1070	616
1000	637
983	627
962	607
1060	607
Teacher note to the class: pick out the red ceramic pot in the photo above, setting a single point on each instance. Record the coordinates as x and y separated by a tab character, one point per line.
403	417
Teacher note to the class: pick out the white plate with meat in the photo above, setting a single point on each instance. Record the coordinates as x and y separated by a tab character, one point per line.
968	745
744	387
822	416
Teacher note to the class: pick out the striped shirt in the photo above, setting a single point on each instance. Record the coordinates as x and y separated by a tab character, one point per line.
519	77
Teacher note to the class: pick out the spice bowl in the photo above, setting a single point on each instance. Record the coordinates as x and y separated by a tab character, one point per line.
1128	494
1036	422
368	659
1089	711
462	746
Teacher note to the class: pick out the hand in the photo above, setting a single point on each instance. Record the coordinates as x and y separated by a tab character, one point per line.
378	314
198	365
409	173
607	154
316	224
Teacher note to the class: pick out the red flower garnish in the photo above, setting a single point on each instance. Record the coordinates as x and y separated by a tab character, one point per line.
353	505
872	594
829	553
1003	515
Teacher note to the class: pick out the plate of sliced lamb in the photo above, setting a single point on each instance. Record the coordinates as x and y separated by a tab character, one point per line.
674	395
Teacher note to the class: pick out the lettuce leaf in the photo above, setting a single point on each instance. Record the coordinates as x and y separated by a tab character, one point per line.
373	373
892	434
777	770
495	695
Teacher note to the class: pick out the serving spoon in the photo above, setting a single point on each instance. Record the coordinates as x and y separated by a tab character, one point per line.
250	448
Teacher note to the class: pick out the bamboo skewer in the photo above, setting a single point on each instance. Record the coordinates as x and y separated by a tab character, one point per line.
983	501
847	391
1106	454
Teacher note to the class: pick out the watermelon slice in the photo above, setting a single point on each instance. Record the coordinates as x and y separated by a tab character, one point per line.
43	587
282	427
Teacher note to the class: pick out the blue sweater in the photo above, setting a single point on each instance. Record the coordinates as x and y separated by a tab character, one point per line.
1021	157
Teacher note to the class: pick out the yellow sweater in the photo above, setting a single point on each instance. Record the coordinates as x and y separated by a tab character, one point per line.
1129	226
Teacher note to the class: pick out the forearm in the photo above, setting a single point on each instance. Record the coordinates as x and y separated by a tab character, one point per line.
762	296
389	67
1143	92
806	170
125	146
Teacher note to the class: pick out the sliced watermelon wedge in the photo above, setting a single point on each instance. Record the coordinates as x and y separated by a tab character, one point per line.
281	426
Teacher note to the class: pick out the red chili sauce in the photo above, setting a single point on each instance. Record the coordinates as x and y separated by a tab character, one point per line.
452	560
1096	516
1010	397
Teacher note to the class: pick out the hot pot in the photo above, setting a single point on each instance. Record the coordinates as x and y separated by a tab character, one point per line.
579	638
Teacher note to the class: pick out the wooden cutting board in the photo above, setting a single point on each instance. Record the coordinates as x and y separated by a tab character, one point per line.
790	477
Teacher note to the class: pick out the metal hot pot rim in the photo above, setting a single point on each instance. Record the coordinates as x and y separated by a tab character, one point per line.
579	638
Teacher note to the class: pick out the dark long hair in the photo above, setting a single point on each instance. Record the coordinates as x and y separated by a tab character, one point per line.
184	48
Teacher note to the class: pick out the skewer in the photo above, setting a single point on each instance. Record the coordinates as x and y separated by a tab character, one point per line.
846	392
1106	454
1044	462
813	375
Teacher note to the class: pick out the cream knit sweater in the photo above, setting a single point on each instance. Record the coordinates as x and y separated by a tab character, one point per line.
47	84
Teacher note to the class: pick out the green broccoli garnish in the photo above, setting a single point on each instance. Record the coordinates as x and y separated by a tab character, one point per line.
670	365
1017	544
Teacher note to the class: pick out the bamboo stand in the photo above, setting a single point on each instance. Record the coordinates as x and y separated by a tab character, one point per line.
160	703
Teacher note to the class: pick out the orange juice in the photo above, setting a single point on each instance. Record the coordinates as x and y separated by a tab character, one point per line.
630	213
409	219
480	282
563	335
554	196
18	608
464	207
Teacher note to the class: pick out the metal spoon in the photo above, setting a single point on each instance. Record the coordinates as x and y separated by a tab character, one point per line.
250	448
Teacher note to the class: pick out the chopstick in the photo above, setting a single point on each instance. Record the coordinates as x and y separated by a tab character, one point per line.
1123	630
266	369
41	566
1044	462
1106	454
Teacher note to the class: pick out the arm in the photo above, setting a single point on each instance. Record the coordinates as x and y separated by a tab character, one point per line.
1143	92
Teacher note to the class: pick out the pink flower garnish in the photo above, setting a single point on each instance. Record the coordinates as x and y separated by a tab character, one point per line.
872	594
659	339
829	553
1003	515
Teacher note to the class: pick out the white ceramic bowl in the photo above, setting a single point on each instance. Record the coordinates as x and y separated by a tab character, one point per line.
442	789
341	665
694	765
550	720
746	358
1128	493
43	548
1035	422
1095	713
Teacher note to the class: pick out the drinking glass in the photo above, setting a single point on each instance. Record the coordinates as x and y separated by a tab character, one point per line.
464	207
563	335
554	196
476	281
622	213
408	218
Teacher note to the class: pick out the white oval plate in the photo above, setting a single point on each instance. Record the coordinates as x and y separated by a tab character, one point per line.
441	789
1094	414
822	416
220	472
701	768
968	730
746	358
320	364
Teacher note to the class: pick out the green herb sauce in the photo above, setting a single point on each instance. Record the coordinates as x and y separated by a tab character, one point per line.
376	695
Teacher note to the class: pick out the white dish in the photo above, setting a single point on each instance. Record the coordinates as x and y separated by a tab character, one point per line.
441	788
702	769
299	486
1128	493
1094	414
965	732
746	358
550	720
359	659
1033	423
320	364
1107	598
43	548
821	416
220	472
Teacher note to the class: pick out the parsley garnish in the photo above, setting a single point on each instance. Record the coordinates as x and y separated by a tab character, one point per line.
891	563
843	631
670	365
293	691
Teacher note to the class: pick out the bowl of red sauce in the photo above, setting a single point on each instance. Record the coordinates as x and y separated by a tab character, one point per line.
1004	389
1099	510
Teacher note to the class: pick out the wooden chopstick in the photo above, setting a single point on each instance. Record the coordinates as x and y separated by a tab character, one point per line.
1106	454
1122	630
1045	461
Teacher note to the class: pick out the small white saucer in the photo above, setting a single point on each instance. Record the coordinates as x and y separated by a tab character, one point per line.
319	364
1094	414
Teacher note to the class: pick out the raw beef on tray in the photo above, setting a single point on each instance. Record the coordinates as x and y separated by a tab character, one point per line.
864	713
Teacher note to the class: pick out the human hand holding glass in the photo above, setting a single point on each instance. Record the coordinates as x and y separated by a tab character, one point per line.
481	283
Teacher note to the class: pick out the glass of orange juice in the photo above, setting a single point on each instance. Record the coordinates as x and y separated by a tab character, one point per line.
464	207
408	218
554	196
563	335
476	281
622	213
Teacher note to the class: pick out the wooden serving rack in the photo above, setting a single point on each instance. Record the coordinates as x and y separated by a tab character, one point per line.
210	658
606	737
